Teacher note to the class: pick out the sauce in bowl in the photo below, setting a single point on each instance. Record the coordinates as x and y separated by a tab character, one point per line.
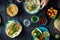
43	21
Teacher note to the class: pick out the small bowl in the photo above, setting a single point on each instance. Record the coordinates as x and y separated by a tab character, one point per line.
43	20
36	18
19	1
26	22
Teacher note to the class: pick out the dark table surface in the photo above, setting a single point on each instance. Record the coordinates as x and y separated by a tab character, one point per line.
22	14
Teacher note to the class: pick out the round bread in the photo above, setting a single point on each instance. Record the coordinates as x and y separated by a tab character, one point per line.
12	10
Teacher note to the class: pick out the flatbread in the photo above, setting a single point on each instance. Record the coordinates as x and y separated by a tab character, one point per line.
57	24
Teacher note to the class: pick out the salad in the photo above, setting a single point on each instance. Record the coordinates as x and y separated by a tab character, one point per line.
32	6
40	35
13	29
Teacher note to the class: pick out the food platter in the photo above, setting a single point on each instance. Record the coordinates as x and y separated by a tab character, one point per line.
42	30
13	28
22	14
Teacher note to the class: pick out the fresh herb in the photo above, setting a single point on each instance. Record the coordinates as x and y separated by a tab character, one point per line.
34	7
13	29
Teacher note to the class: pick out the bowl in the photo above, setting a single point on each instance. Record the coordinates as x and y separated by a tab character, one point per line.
26	22
34	19
43	21
32	6
42	30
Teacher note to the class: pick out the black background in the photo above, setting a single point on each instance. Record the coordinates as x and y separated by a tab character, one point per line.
22	14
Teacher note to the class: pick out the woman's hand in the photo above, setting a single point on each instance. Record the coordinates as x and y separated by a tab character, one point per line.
44	3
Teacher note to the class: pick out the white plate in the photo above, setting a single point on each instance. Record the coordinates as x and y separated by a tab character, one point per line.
9	23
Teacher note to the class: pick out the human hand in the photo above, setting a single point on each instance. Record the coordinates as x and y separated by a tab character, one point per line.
44	3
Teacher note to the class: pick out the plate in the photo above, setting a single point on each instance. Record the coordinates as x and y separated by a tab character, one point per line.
13	28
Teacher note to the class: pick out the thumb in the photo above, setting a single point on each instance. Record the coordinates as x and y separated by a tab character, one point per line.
43	5
42	1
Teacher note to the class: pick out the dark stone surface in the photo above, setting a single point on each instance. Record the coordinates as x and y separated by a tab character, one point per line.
26	32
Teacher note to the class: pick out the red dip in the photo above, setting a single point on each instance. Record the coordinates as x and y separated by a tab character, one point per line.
42	21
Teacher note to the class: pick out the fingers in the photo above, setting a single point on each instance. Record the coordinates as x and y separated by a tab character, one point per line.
43	5
42	1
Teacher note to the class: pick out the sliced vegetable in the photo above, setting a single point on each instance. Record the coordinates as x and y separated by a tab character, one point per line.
46	34
13	29
37	33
